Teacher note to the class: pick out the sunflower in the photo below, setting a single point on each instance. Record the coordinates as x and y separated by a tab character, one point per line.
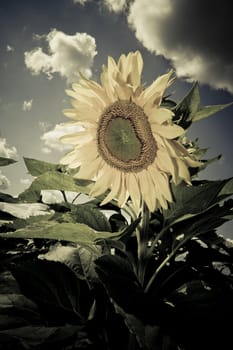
127	143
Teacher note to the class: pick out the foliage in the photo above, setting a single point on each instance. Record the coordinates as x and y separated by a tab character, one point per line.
86	276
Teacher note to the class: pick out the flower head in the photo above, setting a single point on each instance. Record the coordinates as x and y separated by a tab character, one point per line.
129	144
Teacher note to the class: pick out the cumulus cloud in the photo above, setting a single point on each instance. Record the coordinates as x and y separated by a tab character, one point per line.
27	105
26	182
193	35
67	55
81	2
115	5
51	138
4	182
9	48
24	211
7	151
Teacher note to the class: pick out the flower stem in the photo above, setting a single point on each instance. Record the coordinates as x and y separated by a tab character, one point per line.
142	241
165	261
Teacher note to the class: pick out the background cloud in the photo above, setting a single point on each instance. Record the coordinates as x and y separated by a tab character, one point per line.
194	35
81	2
9	48
4	181
67	55
51	138
115	5
7	151
27	105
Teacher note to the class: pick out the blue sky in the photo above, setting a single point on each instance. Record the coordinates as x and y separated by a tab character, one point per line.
44	43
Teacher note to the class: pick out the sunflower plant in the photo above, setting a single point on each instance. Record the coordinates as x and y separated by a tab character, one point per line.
135	260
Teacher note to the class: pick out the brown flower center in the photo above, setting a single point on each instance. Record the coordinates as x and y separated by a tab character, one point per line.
125	139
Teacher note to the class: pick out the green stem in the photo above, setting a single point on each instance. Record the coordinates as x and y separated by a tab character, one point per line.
142	241
165	261
64	196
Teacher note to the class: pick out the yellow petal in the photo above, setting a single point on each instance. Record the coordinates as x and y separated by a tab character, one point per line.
166	163
123	194
158	115
133	188
167	131
115	188
158	87
89	170
137	66
108	84
183	171
80	137
160	179
70	158
147	189
103	182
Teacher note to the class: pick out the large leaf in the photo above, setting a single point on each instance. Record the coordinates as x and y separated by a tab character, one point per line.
6	161
4	197
38	167
53	180
188	106
208	111
192	200
53	287
124	289
121	283
88	214
78	233
79	259
202	316
44	338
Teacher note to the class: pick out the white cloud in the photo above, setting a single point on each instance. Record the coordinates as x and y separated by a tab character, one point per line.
4	182
67	55
115	5
24	211
52	196
193	35
81	2
6	151
51	138
26	182
10	48
27	105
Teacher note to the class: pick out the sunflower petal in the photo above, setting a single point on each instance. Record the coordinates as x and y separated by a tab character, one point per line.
158	115
115	188
167	131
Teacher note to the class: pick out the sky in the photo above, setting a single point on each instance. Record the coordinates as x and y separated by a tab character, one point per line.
43	44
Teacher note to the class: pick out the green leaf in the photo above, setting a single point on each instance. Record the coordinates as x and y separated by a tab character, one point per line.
90	215
78	233
42	337
53	180
52	286
208	111
38	167
192	200
125	291
227	189
81	261
6	161
189	106
121	283
4	197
